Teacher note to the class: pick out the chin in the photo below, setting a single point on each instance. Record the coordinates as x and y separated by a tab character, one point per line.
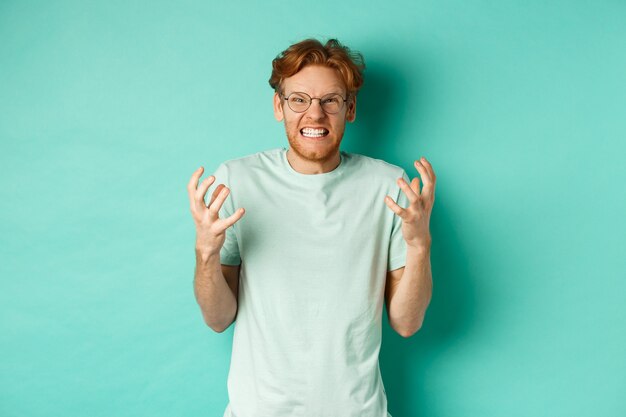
314	152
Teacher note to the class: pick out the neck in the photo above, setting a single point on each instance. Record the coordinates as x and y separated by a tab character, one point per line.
311	167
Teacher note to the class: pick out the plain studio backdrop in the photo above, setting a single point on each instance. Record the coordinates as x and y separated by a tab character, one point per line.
106	108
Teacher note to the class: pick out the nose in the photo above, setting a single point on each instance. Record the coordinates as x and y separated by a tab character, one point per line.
315	109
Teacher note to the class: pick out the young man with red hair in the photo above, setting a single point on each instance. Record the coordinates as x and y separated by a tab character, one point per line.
306	271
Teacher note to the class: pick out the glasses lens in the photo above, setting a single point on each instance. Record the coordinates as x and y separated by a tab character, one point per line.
332	103
299	102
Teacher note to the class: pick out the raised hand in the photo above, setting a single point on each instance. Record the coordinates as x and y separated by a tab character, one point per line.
210	229
416	217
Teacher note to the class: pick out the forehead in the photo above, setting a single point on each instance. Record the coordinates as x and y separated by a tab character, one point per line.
315	79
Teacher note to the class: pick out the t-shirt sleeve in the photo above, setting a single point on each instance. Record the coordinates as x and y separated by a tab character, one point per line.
229	254
397	244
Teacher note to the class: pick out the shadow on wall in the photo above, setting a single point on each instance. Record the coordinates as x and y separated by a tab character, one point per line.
377	103
386	108
409	365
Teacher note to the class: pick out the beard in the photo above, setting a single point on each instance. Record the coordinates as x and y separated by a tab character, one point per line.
319	153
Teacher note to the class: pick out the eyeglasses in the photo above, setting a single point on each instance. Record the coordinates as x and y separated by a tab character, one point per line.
300	102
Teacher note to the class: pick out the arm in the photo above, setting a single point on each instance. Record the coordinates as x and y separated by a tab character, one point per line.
216	290
409	289
408	292
215	285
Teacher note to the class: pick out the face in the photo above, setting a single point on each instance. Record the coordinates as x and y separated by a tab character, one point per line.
313	135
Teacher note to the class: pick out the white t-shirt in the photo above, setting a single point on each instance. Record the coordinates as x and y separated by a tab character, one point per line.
314	253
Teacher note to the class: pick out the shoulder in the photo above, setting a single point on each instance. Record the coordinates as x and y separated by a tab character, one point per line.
374	166
258	160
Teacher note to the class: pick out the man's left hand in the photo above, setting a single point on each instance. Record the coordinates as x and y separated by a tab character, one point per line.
416	217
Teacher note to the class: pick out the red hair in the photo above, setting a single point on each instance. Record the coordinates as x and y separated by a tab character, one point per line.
333	54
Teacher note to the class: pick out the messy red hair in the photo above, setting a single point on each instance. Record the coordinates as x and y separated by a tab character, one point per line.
333	54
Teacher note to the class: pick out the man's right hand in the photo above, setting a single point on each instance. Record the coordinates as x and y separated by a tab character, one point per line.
210	229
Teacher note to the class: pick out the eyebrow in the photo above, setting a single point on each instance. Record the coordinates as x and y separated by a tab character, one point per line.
335	89
341	93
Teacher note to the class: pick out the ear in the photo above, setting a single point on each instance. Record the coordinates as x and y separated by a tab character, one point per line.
351	112
278	108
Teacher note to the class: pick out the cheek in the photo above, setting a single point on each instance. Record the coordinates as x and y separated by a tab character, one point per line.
339	125
292	122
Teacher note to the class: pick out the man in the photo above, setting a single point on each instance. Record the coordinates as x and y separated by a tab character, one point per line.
306	271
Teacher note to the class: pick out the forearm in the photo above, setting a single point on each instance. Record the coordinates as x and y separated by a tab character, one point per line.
215	298
412	296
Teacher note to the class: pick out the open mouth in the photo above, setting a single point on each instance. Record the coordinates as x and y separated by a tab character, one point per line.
308	132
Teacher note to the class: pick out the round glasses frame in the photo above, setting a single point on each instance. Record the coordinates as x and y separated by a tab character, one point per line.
323	103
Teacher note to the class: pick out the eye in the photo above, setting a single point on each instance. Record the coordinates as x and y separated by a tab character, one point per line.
331	100
298	99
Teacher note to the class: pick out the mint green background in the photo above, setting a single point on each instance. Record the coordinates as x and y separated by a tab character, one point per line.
106	110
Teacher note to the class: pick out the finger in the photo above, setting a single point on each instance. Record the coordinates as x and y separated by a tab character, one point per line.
193	183
427	180
430	169
216	192
216	206
408	191
395	207
428	190
233	218
415	185
202	189
423	172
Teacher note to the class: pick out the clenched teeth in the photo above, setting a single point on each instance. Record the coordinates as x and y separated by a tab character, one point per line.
313	133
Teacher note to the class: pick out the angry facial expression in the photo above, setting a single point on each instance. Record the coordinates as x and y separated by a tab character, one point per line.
314	136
